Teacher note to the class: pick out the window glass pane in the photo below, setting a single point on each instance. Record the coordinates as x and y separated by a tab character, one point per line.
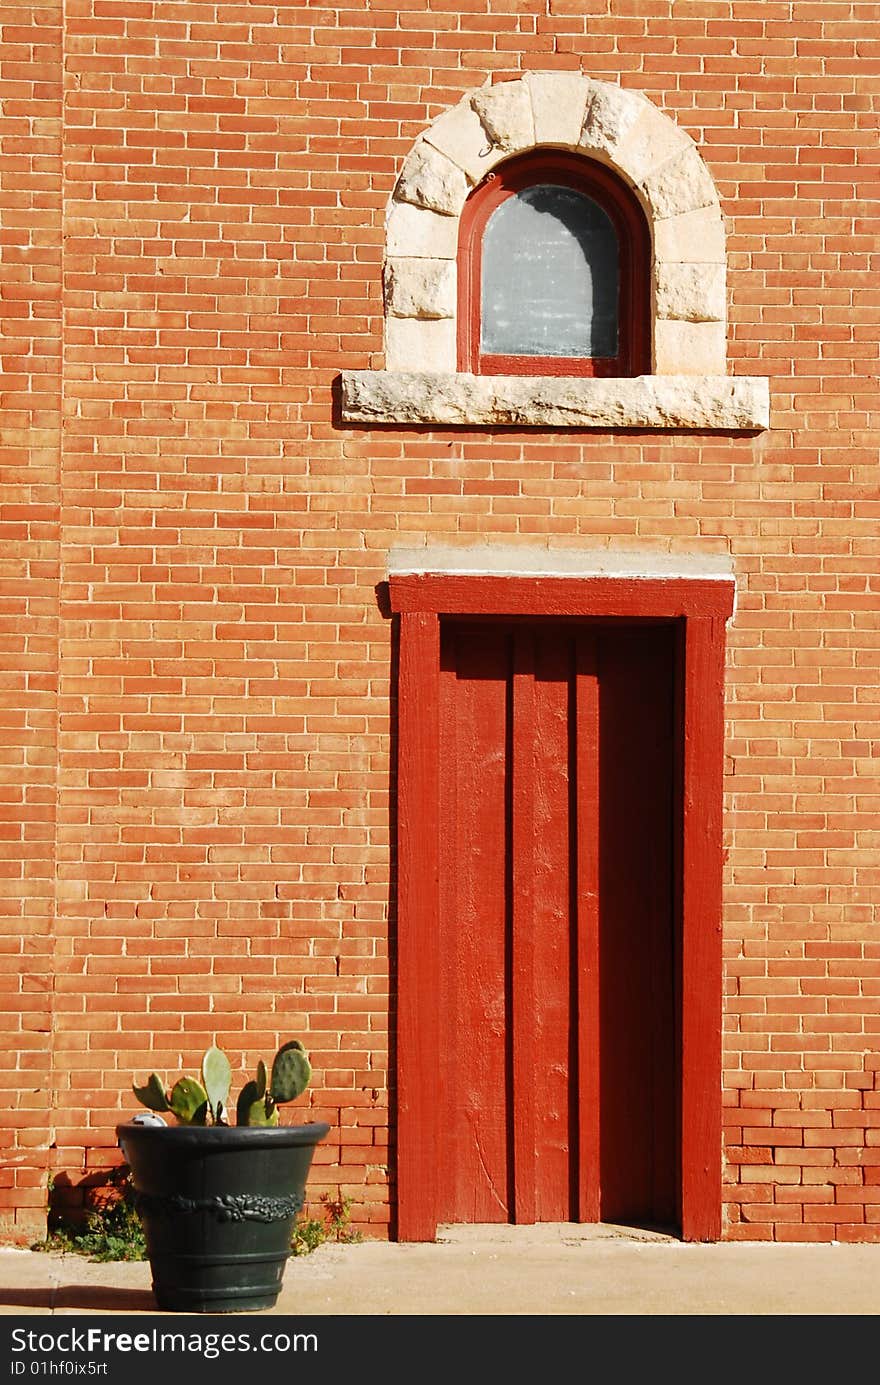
550	273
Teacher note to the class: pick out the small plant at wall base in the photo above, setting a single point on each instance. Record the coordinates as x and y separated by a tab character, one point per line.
112	1229
310	1232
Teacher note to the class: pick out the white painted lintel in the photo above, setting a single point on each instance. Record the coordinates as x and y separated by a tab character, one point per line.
529	560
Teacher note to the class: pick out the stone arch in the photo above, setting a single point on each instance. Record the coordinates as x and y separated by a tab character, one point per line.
619	128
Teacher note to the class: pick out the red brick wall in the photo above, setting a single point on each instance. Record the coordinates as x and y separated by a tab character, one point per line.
222	837
30	436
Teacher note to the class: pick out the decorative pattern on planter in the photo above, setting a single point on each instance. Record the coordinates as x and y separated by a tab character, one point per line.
232	1207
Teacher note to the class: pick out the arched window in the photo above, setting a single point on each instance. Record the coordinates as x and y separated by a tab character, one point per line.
578	156
554	272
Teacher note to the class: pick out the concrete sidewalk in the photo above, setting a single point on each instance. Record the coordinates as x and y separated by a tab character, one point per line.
499	1270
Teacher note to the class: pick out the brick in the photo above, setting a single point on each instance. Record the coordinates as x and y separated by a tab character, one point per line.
197	775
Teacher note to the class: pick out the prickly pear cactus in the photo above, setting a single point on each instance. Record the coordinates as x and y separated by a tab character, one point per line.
291	1072
201	1103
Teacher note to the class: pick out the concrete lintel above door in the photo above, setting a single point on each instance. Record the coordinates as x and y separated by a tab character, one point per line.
529	560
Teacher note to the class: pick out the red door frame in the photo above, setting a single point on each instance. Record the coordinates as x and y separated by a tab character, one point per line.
702	606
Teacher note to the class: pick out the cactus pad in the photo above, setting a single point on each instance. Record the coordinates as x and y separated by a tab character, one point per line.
291	1072
153	1094
216	1076
189	1101
247	1099
261	1078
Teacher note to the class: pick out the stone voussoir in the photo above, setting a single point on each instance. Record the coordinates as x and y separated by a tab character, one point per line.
682	184
610	114
691	292
421	288
505	112
417	231
691	237
559	101
460	135
649	143
429	179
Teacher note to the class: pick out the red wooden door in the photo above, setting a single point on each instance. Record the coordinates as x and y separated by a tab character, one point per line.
558	1095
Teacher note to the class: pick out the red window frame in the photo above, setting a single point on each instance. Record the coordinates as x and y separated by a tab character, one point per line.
619	203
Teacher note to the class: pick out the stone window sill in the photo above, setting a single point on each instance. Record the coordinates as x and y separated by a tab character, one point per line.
700	403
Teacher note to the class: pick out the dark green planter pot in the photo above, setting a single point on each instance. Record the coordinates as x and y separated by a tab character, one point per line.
218	1205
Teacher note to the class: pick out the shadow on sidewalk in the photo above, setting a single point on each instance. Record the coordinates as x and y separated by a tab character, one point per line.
88	1298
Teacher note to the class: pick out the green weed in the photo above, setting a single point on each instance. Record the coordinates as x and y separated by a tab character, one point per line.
311	1232
111	1231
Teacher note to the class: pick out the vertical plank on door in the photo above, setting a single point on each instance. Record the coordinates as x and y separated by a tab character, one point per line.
472	1095
658	672
585	922
418	960
522	925
551	855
